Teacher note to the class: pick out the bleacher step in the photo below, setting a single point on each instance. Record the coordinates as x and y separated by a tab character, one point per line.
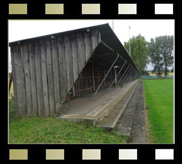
125	123
110	121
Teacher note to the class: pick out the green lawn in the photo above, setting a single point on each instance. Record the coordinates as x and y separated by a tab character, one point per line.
159	101
52	130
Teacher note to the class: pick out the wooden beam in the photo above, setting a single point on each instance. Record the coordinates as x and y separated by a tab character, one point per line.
93	78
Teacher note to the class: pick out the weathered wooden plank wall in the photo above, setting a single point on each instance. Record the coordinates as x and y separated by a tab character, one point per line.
20	83
38	79
50	82
44	78
55	73
33	79
46	69
62	66
14	80
26	70
74	53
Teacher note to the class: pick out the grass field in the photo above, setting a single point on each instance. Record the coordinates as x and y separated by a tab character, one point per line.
159	102
52	130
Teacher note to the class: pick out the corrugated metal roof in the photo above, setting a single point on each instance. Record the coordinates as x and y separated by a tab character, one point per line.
108	38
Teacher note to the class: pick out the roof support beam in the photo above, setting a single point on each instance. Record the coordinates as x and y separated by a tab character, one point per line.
97	63
107	54
112	49
102	58
106	74
105	60
117	75
122	75
107	46
127	75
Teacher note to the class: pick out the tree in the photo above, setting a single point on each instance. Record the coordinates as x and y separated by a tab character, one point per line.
155	56
139	52
166	49
160	53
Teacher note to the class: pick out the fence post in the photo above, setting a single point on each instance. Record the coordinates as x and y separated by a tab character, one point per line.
93	79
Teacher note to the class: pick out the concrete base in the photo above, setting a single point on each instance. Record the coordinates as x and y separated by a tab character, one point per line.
120	109
93	109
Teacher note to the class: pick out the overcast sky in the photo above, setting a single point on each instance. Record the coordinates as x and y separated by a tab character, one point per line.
22	29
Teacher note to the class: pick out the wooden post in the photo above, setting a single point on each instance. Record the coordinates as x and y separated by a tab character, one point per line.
10	80
74	91
93	78
106	78
111	76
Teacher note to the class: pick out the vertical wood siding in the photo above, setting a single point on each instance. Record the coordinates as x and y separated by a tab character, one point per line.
46	69
50	82
33	79
20	82
14	65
